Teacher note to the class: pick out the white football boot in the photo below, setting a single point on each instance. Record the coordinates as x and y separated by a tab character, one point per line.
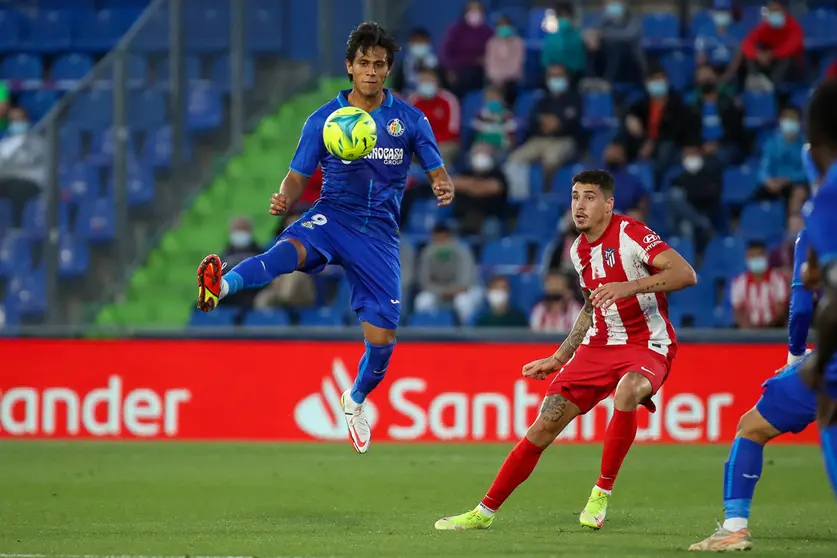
360	433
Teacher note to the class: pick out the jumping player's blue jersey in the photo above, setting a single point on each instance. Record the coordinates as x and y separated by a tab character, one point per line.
820	220
366	194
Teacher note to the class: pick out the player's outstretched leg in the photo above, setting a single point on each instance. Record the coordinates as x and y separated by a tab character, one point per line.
285	257
556	413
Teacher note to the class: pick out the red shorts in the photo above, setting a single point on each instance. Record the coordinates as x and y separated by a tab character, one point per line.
593	372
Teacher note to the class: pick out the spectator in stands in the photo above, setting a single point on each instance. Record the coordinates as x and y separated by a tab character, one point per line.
447	276
480	191
419	56
617	44
241	246
557	257
774	48
501	312
630	197
565	47
554	129
295	290
441	107
759	296
782	174
23	166
4	107
721	117
557	312
494	124
718	44
504	58
781	257
659	124
695	196
463	50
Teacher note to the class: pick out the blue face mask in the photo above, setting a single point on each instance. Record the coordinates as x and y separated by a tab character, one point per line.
722	19
505	31
427	89
494	106
776	19
657	88
420	50
789	126
558	84
17	128
614	10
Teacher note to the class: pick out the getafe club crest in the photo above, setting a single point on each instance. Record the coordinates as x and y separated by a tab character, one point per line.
395	128
610	256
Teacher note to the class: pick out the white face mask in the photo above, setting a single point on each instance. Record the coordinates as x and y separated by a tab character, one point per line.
497	298
757	264
240	239
427	89
482	162
693	163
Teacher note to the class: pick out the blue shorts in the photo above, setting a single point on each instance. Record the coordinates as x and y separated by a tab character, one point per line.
372	266
787	403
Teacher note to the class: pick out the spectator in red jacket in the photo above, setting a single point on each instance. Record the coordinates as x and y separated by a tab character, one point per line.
775	46
441	107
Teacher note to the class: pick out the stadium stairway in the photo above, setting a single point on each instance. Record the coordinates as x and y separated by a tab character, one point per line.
162	292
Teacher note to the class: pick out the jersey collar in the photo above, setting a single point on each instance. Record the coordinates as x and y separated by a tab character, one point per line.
343	99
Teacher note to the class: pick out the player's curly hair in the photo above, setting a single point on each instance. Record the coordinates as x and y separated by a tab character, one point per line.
370	35
601	178
821	125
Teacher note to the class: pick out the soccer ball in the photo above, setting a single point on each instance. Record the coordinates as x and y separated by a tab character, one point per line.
350	133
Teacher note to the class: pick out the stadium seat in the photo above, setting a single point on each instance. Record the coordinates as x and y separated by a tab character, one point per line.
320	317
599	140
723	258
562	186
680	68
10	31
208	30
35	218
598	111
153	36
739	184
101	31
760	109
5	216
140	188
38	103
73	257
15	254
644	173
440	319
221	73
79	183
147	109
68	69
92	109
263	30
819	26
526	290
204	107
51	31
95	221
26	295
763	221
661	31
538	218
509	251
275	317
191	66
684	246
159	148
22	67
223	316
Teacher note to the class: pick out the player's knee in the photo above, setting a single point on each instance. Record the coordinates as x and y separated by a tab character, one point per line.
754	427
632	389
556	413
378	335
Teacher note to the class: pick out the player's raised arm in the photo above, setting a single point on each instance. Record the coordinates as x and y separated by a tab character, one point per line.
309	152
427	151
801	307
540	369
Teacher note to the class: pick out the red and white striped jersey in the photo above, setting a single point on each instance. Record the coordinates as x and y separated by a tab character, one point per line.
760	297
624	253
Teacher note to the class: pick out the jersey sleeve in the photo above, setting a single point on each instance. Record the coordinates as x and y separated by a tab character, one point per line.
426	147
801	309
310	150
646	244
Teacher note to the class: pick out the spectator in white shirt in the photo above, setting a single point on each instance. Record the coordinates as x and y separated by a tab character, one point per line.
558	310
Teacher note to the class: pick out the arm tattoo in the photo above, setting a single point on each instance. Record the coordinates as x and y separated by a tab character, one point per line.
553	407
657	285
578	333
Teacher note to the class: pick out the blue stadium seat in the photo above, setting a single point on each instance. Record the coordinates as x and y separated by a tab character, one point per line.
38	103
471	104
800	98
191	66
661	31
79	183
263	30
680	67
538	218
221	73
69	68
534	29
159	148
208	30
103	147
141	187
95	221
10	31
684	246
598	111
536	184
723	258
69	140
598	142
35	218
763	221
509	251
204	107
65	4
526	290
562	186
644	173
320	317
15	254
26	294
739	184
51	31
440	318
760	109
819	26
92	109
223	316
523	106
154	35
73	257
5	216
275	317
421	218
101	31
22	67
147	109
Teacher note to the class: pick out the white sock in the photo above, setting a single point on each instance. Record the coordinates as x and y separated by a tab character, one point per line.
487	512
603	490
735	523
225	288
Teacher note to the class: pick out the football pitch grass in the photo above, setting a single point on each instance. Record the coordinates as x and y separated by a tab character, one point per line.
272	500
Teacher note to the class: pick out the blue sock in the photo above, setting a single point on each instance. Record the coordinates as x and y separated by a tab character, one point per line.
828	439
741	473
371	369
264	268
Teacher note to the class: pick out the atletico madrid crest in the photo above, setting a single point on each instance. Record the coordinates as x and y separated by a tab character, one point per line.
610	256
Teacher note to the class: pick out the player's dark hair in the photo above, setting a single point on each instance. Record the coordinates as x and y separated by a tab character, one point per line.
420	33
369	35
821	124
601	178
756	244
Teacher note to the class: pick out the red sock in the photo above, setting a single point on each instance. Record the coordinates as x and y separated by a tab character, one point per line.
516	468
620	435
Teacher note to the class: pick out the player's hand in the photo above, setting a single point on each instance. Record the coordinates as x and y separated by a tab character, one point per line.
279	203
540	369
443	190
605	295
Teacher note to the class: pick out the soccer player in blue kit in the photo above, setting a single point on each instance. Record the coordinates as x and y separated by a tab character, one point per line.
355	222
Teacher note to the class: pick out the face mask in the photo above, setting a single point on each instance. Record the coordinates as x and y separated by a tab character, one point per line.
17	128
693	163
789	126
558	84
427	89
482	162
707	87
240	239
776	19
657	88
757	265
505	31
494	106
497	298
614	10
722	19
565	22
474	18
444	252
420	50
